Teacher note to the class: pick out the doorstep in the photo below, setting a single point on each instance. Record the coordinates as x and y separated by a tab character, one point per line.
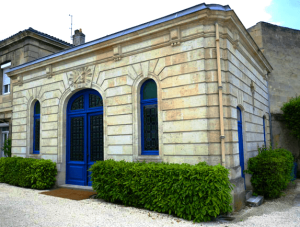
78	187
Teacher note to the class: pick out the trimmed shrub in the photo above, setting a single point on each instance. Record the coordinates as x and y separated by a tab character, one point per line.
193	192
28	172
7	147
291	116
271	171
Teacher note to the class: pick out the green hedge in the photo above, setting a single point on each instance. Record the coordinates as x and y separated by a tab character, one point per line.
28	172
194	192
271	171
291	116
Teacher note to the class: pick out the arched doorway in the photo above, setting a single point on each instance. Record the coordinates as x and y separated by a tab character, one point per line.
84	135
240	136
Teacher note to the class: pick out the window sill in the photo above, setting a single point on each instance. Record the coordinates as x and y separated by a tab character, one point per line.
149	158
35	156
6	93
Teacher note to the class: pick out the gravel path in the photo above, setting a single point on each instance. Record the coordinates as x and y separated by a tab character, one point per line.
26	207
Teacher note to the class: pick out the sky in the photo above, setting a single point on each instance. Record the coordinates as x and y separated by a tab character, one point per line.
98	18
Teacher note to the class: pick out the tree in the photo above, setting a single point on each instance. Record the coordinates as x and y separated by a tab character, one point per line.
291	116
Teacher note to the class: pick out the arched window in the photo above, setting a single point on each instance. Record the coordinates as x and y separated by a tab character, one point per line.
36	128
149	119
264	128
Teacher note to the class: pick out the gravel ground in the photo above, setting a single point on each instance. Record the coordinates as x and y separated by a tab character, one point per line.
26	207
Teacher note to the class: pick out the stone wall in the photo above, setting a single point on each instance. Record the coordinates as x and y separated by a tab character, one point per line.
19	49
281	46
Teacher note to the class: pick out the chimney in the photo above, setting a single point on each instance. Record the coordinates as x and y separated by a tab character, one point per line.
78	37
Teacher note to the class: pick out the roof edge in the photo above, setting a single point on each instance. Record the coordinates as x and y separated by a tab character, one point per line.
169	17
40	34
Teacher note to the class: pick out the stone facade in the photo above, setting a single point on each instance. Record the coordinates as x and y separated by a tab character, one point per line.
184	56
18	49
281	46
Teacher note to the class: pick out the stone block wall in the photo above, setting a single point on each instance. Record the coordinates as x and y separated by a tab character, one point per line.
281	46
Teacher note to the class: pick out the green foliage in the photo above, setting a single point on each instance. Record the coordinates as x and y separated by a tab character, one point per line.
271	171
7	147
28	172
291	115
193	192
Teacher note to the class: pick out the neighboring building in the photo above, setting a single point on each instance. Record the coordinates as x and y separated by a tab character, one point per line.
281	46
153	92
23	47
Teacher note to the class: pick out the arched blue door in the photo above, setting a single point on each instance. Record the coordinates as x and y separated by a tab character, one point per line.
84	135
240	136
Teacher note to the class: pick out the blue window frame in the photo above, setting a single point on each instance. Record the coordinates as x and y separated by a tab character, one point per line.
264	128
36	128
240	136
149	118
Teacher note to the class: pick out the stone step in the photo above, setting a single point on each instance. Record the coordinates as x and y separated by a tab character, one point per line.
78	187
255	201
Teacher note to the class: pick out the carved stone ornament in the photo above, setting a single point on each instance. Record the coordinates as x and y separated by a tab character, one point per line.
175	36
19	80
117	53
49	71
236	41
80	78
252	87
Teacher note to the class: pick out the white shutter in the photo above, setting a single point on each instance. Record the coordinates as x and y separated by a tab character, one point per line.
6	79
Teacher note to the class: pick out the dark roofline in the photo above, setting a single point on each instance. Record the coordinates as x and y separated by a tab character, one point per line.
169	17
274	25
40	34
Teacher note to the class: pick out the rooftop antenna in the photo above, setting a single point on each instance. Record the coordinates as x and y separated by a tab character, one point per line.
71	25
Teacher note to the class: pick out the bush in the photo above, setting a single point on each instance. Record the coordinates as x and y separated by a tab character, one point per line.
7	147
291	115
193	192
271	171
28	172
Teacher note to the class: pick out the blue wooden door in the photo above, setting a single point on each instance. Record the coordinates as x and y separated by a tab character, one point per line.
84	135
95	140
240	136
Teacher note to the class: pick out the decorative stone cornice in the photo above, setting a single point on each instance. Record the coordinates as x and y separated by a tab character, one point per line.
226	18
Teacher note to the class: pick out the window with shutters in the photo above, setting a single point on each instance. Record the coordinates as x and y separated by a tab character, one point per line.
149	118
5	78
